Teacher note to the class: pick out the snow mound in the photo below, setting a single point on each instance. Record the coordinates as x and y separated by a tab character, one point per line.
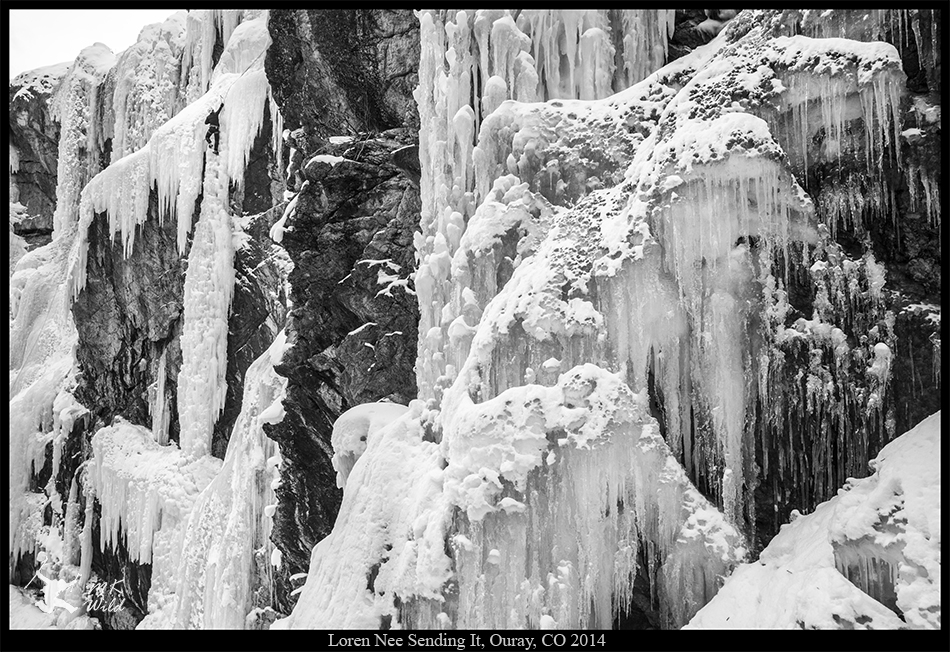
867	558
353	429
388	539
41	81
24	614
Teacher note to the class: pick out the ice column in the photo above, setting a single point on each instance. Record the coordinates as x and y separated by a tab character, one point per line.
225	545
209	285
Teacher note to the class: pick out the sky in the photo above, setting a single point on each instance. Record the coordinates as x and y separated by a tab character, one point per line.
43	37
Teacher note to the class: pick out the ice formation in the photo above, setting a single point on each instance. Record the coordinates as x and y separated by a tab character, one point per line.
172	160
706	209
147	89
209	285
143	487
354	428
158	107
869	558
668	266
551	485
224	544
42	331
609	359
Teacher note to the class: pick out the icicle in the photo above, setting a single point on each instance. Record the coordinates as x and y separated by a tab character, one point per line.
158	408
597	55
645	42
924	192
86	553
241	121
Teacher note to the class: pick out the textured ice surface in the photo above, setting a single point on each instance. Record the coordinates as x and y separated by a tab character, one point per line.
543	494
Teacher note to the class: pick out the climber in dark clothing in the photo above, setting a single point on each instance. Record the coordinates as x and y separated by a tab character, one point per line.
214	129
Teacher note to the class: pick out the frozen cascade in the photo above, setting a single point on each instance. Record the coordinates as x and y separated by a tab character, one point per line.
147	92
649	244
566	482
824	107
205	28
488	50
171	162
209	286
646	37
542	496
74	102
144	505
709	216
42	331
225	541
44	414
142	487
146	492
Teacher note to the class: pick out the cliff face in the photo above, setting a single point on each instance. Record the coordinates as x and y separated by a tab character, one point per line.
341	72
34	141
132	304
659	278
349	235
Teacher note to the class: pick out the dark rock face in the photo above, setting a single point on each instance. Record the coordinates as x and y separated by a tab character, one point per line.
691	29
130	309
35	136
339	72
353	324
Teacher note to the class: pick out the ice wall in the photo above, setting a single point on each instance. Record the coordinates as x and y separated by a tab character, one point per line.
42	332
156	118
542	495
692	183
471	63
147	85
225	549
656	233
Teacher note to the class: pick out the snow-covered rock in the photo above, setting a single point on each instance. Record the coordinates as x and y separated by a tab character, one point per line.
869	558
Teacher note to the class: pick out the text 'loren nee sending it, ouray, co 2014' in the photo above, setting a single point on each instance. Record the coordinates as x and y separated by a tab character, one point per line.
471	641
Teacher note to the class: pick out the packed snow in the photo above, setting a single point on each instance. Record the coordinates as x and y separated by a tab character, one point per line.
869	558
